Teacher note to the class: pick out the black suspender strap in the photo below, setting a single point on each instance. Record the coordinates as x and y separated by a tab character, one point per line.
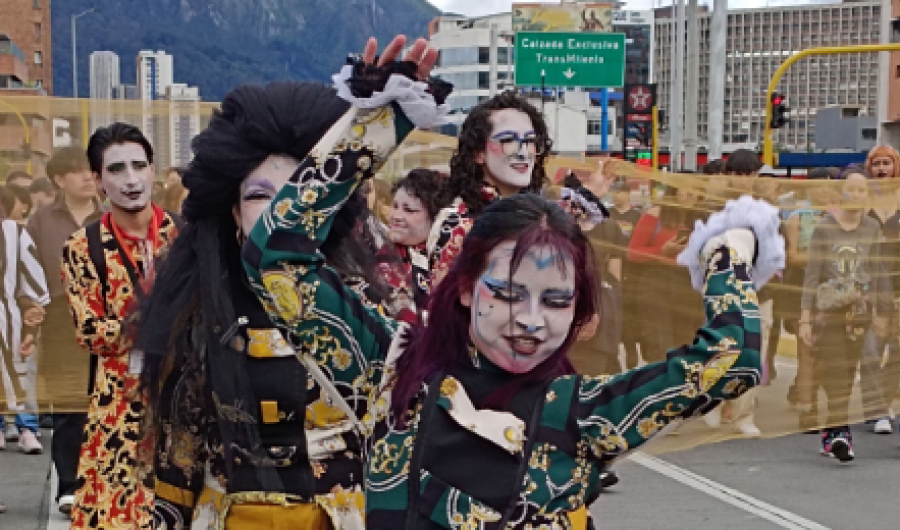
418	454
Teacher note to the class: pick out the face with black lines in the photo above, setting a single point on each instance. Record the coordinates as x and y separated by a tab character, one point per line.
127	177
518	322
260	187
511	151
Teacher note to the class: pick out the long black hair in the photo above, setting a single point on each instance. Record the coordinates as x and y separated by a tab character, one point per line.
467	175
191	307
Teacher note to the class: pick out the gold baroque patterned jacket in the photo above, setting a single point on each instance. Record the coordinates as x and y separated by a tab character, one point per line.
527	465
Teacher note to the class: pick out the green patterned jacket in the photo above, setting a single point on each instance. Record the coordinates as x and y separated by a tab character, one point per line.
476	468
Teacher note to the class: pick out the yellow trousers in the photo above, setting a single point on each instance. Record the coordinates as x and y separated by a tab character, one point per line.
274	517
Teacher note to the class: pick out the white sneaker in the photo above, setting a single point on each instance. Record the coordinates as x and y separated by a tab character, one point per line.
65	504
12	432
883	426
29	444
747	428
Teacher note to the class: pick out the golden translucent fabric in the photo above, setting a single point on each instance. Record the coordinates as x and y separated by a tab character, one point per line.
858	390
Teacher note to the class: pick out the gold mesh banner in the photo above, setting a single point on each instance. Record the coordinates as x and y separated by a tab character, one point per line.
844	368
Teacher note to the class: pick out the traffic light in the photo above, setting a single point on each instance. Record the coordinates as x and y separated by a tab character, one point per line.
779	110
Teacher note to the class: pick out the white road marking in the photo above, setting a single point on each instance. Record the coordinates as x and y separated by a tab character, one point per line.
782	518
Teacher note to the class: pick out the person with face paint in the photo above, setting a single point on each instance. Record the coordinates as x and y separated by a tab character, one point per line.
107	266
257	426
478	417
503	145
845	291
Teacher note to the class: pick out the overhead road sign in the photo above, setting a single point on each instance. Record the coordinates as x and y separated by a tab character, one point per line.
570	59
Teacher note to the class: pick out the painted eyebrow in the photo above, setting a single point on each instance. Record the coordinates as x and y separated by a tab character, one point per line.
502	284
567	293
261	183
512	133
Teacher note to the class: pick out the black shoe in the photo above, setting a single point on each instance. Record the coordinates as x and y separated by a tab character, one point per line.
608	479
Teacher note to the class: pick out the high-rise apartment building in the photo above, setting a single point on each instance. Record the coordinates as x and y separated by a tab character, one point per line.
184	122
758	41
154	74
27	23
104	74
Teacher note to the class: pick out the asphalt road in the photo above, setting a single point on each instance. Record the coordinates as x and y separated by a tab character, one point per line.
741	484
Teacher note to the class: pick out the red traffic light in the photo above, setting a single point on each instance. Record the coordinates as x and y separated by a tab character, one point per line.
777	99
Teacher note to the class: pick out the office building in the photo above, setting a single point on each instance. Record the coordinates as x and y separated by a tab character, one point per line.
843	128
889	88
27	24
154	74
184	123
104	74
758	41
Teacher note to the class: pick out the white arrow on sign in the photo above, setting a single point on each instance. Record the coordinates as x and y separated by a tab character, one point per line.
569	73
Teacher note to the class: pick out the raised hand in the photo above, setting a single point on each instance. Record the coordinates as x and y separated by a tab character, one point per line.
421	54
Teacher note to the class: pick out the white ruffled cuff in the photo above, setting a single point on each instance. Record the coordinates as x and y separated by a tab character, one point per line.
418	105
746	212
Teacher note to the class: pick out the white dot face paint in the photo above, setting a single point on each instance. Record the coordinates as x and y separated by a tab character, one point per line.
511	151
518	322
127	176
261	186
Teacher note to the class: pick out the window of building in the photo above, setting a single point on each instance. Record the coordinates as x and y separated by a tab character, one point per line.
38	58
37	32
869	134
37	4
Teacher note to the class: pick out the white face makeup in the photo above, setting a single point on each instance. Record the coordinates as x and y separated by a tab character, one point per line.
511	150
127	177
409	220
518	322
260	187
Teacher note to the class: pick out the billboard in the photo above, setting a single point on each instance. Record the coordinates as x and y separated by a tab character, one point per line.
589	18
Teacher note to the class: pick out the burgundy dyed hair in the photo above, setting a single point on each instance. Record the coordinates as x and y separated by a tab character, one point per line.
530	221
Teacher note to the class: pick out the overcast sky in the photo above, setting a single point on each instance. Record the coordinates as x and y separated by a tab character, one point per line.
486	7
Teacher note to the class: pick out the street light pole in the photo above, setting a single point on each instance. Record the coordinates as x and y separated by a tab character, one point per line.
75	50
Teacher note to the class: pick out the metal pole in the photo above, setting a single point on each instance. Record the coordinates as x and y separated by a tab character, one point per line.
543	76
556	118
655	149
768	157
492	62
676	123
74	60
693	89
604	119
716	109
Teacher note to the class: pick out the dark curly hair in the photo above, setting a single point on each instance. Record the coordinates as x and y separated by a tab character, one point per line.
467	175
425	185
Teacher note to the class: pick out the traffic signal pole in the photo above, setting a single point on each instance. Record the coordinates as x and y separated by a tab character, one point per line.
655	149
768	155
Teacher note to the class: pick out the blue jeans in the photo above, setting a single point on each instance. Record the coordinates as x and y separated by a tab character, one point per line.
23	421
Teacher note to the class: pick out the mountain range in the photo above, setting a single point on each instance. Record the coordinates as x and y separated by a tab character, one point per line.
218	44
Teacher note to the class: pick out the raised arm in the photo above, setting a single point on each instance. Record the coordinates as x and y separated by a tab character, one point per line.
620	413
282	255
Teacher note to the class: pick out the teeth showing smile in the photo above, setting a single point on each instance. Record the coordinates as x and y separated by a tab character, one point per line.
520	167
524	345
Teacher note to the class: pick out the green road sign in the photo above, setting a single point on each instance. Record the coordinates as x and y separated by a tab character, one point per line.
570	59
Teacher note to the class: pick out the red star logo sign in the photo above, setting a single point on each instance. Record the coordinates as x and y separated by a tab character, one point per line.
640	98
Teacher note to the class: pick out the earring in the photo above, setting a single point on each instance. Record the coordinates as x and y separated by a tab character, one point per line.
241	238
